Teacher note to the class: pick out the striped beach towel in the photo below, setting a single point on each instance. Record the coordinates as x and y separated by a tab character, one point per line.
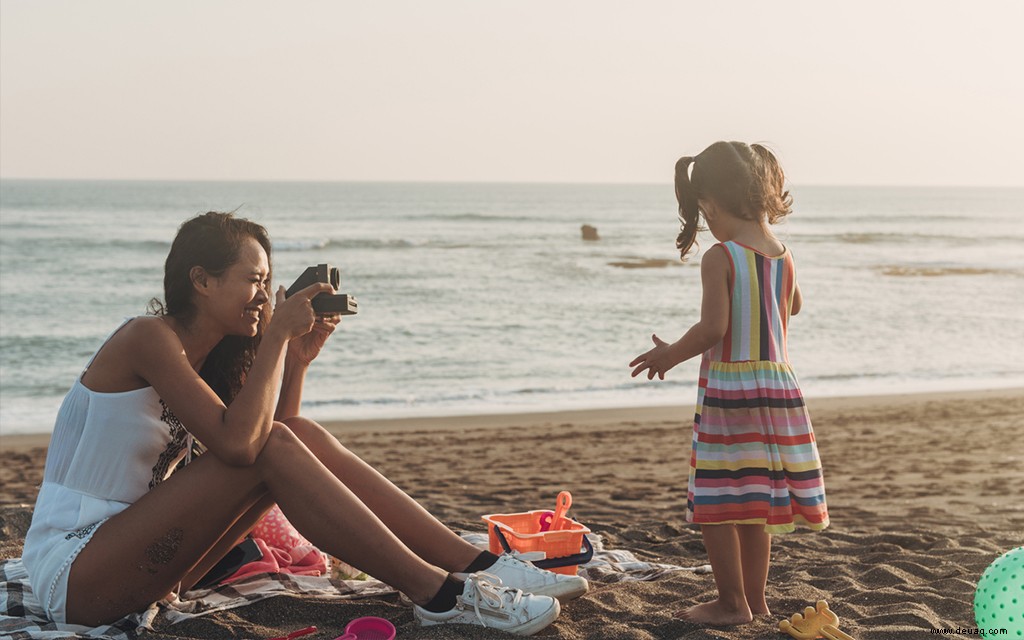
754	458
23	618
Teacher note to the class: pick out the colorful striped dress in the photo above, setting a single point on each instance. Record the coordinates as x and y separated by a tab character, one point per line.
754	458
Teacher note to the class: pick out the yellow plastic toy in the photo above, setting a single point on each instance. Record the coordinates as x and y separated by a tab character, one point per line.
816	622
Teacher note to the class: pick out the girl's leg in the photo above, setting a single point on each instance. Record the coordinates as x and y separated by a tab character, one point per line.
755	551
423	533
141	554
723	546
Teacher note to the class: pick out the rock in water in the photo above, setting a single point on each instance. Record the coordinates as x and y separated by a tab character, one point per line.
589	232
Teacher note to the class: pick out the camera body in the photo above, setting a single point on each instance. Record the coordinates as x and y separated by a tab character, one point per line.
343	304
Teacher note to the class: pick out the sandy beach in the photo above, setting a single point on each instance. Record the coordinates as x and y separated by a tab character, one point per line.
924	492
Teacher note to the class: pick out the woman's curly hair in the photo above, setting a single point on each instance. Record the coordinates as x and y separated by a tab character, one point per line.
212	241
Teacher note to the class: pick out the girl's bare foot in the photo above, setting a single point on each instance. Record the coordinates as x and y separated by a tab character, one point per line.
759	609
716	613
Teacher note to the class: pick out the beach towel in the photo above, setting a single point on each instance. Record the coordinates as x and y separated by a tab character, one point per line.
611	565
22	617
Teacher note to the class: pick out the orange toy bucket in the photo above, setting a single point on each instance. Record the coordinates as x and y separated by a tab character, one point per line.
562	540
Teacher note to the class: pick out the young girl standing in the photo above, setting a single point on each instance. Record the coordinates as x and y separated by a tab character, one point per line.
754	467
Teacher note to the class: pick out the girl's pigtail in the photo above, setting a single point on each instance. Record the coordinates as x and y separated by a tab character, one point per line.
775	198
689	212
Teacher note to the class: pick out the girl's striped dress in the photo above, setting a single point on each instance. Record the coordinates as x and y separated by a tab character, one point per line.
754	458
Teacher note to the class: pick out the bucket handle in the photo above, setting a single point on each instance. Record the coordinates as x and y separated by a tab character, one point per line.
551	563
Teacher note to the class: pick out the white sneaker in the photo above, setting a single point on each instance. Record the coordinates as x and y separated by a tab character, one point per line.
518	572
486	602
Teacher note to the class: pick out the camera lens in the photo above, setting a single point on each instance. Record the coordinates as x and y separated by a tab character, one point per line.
335	276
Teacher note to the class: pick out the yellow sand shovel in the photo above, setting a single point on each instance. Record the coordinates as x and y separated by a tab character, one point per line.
816	622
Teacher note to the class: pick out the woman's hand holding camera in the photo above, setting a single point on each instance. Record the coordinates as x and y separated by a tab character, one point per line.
294	317
305	349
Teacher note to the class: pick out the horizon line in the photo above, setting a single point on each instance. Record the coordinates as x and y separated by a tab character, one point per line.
485	182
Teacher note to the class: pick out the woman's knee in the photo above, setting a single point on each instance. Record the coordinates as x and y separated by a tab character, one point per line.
281	434
282	439
319	440
314	435
300	432
294	441
304	428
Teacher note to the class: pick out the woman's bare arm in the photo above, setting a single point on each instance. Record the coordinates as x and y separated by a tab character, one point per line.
235	434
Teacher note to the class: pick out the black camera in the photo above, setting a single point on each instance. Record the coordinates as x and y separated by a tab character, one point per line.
341	303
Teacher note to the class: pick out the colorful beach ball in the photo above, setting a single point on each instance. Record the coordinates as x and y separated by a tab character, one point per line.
999	599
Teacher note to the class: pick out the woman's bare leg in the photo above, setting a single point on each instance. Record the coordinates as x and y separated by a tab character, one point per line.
141	554
440	547
415	526
232	537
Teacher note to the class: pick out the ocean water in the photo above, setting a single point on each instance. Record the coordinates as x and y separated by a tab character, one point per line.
483	298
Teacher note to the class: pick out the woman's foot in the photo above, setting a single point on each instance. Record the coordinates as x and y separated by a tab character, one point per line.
518	572
486	602
717	613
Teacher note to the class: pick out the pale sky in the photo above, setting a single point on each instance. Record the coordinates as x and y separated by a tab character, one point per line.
893	92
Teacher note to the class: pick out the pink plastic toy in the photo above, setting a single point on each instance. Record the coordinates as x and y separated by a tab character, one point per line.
555	520
296	634
368	628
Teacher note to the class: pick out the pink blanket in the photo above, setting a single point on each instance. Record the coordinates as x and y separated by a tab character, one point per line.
284	549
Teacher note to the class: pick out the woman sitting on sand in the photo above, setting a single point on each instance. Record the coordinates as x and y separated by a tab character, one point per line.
114	529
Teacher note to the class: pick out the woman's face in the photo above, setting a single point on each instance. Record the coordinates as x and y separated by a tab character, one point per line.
238	296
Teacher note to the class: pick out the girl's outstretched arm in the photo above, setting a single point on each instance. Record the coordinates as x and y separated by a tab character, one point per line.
714	321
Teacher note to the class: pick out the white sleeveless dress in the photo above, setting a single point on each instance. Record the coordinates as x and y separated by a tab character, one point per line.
107	450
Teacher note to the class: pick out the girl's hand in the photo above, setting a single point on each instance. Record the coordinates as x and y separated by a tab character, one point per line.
305	349
656	361
294	317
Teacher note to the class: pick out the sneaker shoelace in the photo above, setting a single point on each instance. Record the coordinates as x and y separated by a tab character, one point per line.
490	589
528	559
530	556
